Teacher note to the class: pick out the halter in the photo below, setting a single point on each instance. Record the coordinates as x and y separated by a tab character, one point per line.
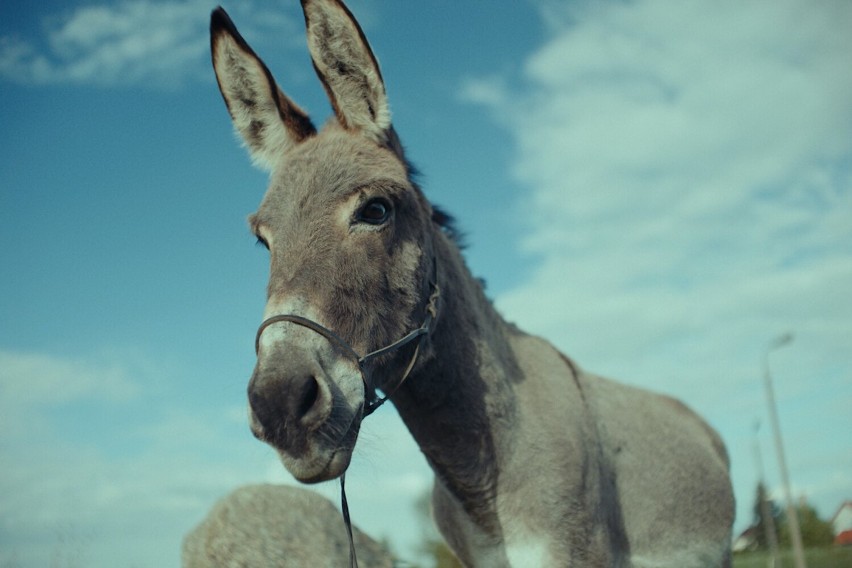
374	402
420	333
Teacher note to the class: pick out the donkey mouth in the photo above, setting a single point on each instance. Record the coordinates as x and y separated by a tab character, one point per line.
327	451
339	455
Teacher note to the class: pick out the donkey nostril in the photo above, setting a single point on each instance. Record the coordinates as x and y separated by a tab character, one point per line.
308	396
262	408
281	403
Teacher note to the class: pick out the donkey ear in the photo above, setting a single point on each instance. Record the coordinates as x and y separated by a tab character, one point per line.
347	68
266	119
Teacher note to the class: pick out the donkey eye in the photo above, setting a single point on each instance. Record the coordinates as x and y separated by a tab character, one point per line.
375	212
262	242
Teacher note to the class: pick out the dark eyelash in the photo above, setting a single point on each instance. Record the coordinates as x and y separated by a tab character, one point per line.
261	242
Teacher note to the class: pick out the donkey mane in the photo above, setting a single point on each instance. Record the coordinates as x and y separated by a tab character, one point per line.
449	226
440	216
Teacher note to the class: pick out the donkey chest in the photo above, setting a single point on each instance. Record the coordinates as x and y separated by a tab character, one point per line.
513	544
539	501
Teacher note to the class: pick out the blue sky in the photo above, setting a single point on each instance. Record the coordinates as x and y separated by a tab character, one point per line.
659	188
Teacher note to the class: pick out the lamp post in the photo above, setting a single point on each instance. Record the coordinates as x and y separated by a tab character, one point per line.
792	517
765	509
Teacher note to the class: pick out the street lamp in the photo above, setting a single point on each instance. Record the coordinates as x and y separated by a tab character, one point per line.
792	517
765	509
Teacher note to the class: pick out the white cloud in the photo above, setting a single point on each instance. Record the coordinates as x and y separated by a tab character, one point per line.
139	42
35	378
101	466
104	463
689	168
34	384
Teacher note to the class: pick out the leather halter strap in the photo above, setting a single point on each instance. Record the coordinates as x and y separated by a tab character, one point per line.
363	360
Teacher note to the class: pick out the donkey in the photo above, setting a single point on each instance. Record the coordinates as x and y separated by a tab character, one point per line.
536	462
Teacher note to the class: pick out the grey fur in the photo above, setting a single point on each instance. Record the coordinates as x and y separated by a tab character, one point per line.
536	461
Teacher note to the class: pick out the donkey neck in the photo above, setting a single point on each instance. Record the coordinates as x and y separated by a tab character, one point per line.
459	404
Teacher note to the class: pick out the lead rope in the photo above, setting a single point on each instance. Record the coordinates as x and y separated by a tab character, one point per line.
353	558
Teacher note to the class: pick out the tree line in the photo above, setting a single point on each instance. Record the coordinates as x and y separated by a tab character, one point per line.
769	516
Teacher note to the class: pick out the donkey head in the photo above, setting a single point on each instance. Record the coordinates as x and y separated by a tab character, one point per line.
349	236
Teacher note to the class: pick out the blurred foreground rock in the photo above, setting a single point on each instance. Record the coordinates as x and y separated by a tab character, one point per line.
260	526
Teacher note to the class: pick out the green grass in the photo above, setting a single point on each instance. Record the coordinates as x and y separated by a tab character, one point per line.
831	557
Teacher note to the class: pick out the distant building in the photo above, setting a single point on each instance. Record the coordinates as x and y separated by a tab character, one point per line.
746	542
841	522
